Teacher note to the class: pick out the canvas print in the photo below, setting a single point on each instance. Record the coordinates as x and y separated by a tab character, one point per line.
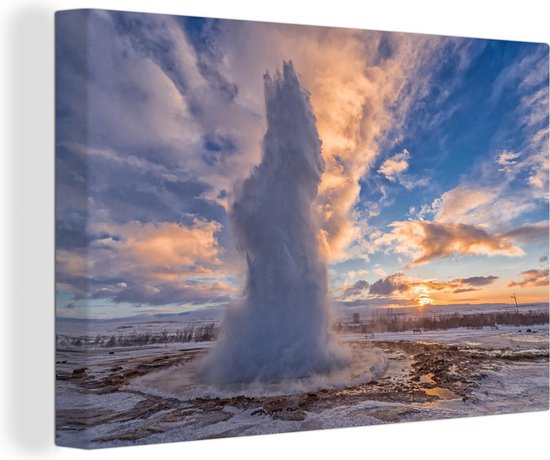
265	228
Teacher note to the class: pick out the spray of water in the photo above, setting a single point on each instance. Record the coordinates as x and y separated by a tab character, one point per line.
282	328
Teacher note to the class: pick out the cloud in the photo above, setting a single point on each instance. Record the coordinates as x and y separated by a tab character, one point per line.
514	181
393	169
356	289
427	211
483	206
356	94
428	241
400	283
161	248
458	285
543	259
189	292
175	121
402	287
462	290
394	166
530	233
147	263
464	205
177	114
390	284
352	274
478	280
507	160
159	111
532	278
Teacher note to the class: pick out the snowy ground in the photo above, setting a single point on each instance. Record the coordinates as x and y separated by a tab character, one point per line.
139	395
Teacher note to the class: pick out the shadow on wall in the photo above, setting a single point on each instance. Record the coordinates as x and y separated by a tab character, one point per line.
29	249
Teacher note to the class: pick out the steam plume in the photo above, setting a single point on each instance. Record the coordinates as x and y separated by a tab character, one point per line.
281	330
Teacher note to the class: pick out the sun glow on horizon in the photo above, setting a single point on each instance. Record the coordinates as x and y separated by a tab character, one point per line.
422	295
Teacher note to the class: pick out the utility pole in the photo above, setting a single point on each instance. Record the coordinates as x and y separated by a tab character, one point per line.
516	301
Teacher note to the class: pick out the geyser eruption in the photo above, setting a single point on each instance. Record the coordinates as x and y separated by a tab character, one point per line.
281	330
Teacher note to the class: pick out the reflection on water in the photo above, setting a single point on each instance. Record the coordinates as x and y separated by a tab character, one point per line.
441	393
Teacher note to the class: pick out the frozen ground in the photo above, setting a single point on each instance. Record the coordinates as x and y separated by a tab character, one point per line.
138	395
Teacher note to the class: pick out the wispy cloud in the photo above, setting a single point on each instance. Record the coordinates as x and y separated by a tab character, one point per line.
484	206
508	183
532	278
507	160
461	285
394	168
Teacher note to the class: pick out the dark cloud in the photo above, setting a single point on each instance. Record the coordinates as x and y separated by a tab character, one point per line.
477	280
460	290
70	230
153	37
147	293
218	147
529	233
127	190
130	288
543	259
389	285
458	285
532	278
357	288
127	161
386	47
71	77
378	301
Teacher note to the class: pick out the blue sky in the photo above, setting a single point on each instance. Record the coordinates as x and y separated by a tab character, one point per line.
435	188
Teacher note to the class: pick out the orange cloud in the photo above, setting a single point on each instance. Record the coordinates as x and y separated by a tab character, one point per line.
164	251
459	285
427	241
152	263
352	103
356	95
395	165
532	278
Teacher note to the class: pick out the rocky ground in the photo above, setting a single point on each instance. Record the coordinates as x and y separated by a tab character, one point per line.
104	404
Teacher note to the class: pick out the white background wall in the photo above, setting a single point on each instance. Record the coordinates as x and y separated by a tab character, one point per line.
26	234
